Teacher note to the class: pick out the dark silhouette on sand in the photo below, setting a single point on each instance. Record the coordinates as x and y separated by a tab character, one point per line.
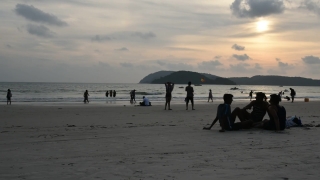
86	96
9	95
169	89
190	91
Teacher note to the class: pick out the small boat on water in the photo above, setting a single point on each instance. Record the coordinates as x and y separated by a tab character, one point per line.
235	88
197	85
181	87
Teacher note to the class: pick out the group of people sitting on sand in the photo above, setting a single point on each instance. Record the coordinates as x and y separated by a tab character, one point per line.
227	118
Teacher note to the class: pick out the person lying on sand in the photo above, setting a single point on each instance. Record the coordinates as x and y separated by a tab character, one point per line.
277	116
226	118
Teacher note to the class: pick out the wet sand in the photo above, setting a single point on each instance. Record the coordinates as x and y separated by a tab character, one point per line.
94	141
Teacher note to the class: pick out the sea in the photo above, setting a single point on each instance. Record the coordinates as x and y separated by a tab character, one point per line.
33	92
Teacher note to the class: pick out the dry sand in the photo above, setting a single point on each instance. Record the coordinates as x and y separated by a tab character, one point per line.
63	141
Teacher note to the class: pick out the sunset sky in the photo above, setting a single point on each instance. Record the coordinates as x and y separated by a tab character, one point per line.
121	41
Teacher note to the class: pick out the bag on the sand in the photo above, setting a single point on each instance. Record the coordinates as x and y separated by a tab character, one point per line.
293	122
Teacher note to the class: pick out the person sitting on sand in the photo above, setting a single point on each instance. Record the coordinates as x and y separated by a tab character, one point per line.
277	115
86	96
145	102
210	95
227	118
169	89
259	109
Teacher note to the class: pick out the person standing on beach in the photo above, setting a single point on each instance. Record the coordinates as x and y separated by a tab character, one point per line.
86	96
9	95
250	94
169	89
190	91
110	93
114	93
133	96
107	93
280	95
210	95
292	94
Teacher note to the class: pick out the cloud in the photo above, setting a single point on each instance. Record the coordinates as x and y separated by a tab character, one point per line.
217	57
209	65
256	8
241	57
8	46
244	68
122	49
40	30
127	65
283	65
33	14
141	35
238	47
167	64
311	6
278	59
182	49
124	36
311	60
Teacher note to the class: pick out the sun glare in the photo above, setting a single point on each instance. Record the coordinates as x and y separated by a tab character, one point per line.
262	25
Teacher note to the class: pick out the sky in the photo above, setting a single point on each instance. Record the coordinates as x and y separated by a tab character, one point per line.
107	41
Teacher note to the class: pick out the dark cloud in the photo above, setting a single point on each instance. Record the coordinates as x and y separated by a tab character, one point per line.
8	46
311	6
40	30
238	47
141	35
311	60
256	8
122	49
124	36
283	65
277	59
127	65
217	57
241	57
33	14
209	65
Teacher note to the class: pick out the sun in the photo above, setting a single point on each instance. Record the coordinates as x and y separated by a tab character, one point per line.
262	25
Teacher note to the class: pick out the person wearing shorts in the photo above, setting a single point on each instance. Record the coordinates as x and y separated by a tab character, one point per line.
189	97
169	89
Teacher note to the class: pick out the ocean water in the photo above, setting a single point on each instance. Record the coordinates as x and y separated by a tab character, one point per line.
73	92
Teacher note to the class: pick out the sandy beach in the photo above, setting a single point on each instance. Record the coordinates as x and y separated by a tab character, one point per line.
94	141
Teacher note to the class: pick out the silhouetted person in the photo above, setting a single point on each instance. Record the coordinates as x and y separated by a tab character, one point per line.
288	98
210	96
107	93
292	94
169	89
226	118
110	93
189	90
250	94
277	115
259	109
280	95
86	96
9	95
133	96
114	93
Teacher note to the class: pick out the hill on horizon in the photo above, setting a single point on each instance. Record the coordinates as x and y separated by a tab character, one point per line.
275	80
183	77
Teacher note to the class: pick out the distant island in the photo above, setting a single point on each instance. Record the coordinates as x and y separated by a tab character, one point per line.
183	77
